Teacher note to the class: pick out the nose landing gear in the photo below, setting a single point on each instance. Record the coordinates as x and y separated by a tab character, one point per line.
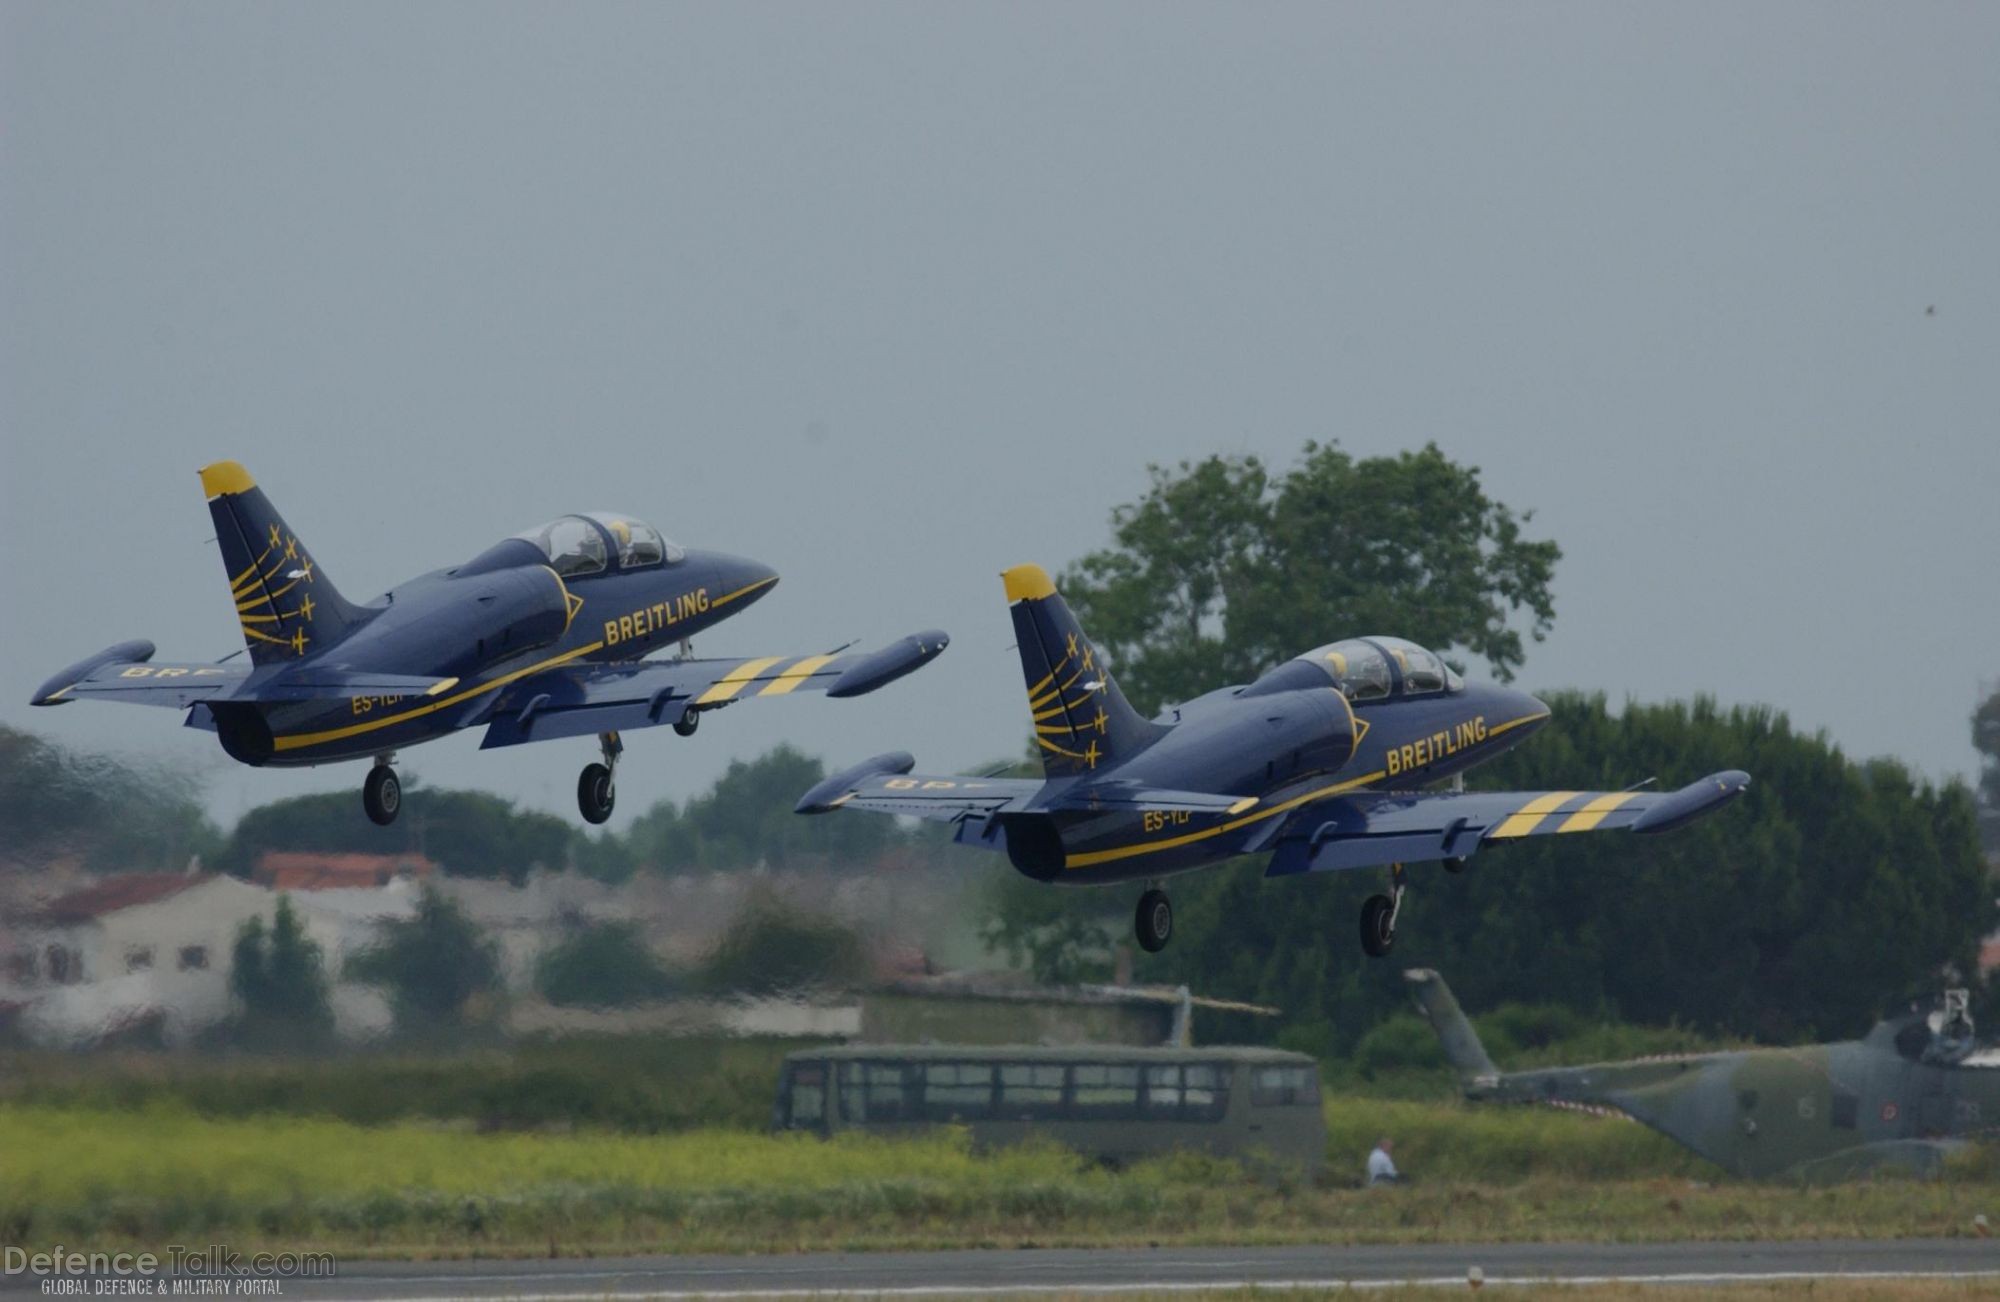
381	793
596	786
1378	915
1154	922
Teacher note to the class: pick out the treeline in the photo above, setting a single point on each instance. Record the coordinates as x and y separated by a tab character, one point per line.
441	973
117	816
744	820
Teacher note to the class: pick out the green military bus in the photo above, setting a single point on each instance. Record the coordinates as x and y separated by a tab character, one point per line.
1113	1103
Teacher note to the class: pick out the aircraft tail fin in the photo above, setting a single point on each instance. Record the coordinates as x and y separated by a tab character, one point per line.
285	604
1081	719
1462	1048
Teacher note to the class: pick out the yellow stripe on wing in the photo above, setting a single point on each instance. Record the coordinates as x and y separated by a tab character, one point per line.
1524	819
726	687
789	680
1587	818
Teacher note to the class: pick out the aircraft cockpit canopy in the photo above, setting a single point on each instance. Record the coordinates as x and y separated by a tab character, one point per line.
1421	671
575	544
1360	668
572	544
639	544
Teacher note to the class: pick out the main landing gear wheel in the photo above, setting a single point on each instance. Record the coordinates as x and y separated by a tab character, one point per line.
1154	922
690	720
381	795
597	785
1378	916
1378	927
595	796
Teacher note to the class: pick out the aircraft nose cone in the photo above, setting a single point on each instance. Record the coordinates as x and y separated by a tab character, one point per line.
1531	708
740	581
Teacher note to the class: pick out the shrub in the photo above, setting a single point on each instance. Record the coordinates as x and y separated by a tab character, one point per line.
607	965
773	947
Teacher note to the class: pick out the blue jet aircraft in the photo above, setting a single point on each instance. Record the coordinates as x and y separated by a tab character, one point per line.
539	636
1320	763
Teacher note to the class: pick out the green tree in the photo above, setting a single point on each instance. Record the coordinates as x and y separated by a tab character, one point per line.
117	816
432	964
1062	936
1222	570
1986	740
604	965
469	833
773	947
280	981
746	819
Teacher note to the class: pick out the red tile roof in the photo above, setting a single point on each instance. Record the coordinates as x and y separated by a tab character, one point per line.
124	891
298	870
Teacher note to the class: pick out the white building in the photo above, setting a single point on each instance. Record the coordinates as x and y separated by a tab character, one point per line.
149	954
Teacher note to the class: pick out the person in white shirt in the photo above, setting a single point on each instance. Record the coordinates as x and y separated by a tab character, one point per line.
1381	1167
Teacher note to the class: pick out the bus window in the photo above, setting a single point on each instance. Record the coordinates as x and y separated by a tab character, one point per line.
1031	1089
1207	1090
806	1097
875	1091
1163	1090
957	1090
1190	1092
1104	1089
1278	1086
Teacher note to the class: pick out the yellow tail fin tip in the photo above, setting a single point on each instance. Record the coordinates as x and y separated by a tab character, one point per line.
225	477
1028	583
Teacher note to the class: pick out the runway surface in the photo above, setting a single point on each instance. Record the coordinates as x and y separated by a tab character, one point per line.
1113	1271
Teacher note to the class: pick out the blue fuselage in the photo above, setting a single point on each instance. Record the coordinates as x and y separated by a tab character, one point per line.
502	616
1288	749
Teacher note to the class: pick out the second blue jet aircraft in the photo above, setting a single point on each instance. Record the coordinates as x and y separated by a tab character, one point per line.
1321	764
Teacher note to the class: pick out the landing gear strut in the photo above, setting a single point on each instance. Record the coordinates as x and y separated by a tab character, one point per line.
1378	915
381	793
1154	922
596	786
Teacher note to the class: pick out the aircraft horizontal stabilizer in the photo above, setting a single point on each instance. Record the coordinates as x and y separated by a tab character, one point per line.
322	684
1136	797
885	785
126	672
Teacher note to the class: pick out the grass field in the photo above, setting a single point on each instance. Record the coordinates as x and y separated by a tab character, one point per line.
165	1174
640	1083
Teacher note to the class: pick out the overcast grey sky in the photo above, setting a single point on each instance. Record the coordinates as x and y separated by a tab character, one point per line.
891	297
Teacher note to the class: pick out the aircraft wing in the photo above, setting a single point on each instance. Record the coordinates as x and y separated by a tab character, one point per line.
1371	829
578	700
